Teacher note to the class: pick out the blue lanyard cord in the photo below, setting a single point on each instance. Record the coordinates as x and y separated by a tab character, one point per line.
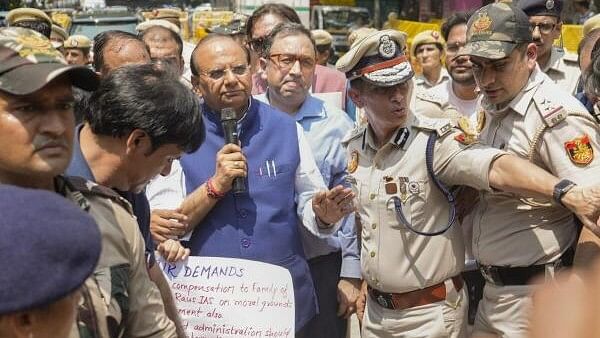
449	196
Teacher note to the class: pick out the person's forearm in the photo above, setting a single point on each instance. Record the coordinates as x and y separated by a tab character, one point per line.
165	292
515	175
588	249
197	205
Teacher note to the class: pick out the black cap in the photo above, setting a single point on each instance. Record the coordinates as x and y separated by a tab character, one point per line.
541	7
51	244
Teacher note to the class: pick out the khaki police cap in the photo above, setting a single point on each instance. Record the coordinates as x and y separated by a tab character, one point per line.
591	24
427	37
78	41
58	30
27	14
166	13
378	58
157	23
322	37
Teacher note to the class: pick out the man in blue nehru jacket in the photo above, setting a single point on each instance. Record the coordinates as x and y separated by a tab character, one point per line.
276	164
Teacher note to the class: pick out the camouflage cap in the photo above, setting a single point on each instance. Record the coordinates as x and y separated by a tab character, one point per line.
495	30
378	58
28	62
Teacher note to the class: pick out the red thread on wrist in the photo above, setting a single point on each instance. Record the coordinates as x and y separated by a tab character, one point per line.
212	192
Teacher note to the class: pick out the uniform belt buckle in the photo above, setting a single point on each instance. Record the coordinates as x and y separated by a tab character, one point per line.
384	302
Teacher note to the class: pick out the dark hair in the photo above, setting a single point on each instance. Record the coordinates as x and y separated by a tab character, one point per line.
209	38
458	18
286	12
102	40
591	77
172	35
287	29
41	27
133	97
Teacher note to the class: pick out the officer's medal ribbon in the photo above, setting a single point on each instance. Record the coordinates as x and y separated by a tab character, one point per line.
580	150
353	162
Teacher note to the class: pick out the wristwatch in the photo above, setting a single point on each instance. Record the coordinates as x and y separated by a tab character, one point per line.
560	189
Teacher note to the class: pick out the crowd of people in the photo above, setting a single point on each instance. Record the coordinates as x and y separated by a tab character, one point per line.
457	202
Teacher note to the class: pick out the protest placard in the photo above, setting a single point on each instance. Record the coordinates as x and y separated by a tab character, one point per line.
228	297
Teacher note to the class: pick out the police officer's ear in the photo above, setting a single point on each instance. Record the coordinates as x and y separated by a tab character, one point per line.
531	56
355	96
138	142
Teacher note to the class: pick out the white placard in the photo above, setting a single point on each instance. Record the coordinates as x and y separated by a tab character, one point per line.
228	297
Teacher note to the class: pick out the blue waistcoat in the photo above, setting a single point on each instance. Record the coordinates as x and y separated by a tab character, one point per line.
261	224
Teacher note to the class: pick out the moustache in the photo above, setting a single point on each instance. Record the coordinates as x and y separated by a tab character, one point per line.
41	142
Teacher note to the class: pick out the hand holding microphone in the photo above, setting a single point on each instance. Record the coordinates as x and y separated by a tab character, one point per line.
232	166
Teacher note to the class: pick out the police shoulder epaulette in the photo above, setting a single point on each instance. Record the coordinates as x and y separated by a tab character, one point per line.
551	111
440	126
430	96
354	133
87	187
570	57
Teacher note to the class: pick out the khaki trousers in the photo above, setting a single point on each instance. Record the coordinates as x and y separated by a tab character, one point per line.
504	311
447	319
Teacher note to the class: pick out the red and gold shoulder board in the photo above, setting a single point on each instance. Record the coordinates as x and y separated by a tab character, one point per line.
580	150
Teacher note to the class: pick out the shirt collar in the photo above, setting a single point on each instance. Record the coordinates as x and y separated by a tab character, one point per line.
443	76
556	56
402	137
311	107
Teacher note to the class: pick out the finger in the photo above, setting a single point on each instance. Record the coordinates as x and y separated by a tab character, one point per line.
319	197
342	308
233	157
186	254
230	148
331	194
349	312
158	238
180	253
170	214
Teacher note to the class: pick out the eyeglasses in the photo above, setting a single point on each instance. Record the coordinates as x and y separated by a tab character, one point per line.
217	74
287	61
545	27
453	48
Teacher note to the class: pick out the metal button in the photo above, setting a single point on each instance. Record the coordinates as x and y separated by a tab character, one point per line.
243	213
246	243
372	196
372	254
374	226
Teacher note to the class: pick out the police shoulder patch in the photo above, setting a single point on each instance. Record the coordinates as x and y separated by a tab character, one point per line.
353	134
580	150
88	188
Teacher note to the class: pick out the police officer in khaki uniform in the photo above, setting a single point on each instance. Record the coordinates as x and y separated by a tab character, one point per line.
402	166
428	48
518	239
36	129
58	35
76	50
560	66
31	18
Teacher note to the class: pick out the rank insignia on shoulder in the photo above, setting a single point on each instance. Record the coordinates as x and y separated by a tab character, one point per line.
353	162
580	150
480	120
465	138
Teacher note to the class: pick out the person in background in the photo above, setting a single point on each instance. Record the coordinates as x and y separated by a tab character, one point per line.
545	20
289	63
587	46
55	247
329	84
323	41
58	35
428	49
116	48
76	50
31	18
582	10
165	44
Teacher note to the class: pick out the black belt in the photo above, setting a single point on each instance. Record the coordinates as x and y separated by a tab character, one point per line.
522	275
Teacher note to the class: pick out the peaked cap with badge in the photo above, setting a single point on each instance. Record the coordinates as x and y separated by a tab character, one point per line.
52	245
427	37
28	62
495	30
166	13
378	58
591	24
58	30
541	7
78	41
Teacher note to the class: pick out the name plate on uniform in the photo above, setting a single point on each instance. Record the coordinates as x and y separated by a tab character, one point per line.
227	297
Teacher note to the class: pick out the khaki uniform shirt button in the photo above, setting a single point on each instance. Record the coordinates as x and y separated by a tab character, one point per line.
374	226
372	196
372	253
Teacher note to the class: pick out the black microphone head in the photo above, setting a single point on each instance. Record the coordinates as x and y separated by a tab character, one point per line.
228	114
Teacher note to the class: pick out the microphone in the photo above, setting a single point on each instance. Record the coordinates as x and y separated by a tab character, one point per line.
229	123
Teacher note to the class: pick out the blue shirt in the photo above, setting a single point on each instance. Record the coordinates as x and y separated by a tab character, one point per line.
139	202
324	127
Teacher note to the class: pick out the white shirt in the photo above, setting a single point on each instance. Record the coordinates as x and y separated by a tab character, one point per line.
168	192
468	108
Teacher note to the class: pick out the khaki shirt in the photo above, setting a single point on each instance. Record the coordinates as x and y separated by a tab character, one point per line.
421	82
563	69
119	300
506	231
393	258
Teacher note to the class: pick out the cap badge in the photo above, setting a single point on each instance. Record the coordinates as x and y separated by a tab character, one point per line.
387	47
549	4
435	35
482	24
74	43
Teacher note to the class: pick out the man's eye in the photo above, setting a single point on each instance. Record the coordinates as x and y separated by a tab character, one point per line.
216	74
25	108
67	105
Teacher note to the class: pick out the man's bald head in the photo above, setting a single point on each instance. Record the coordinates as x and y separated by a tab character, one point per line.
195	62
165	46
113	49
